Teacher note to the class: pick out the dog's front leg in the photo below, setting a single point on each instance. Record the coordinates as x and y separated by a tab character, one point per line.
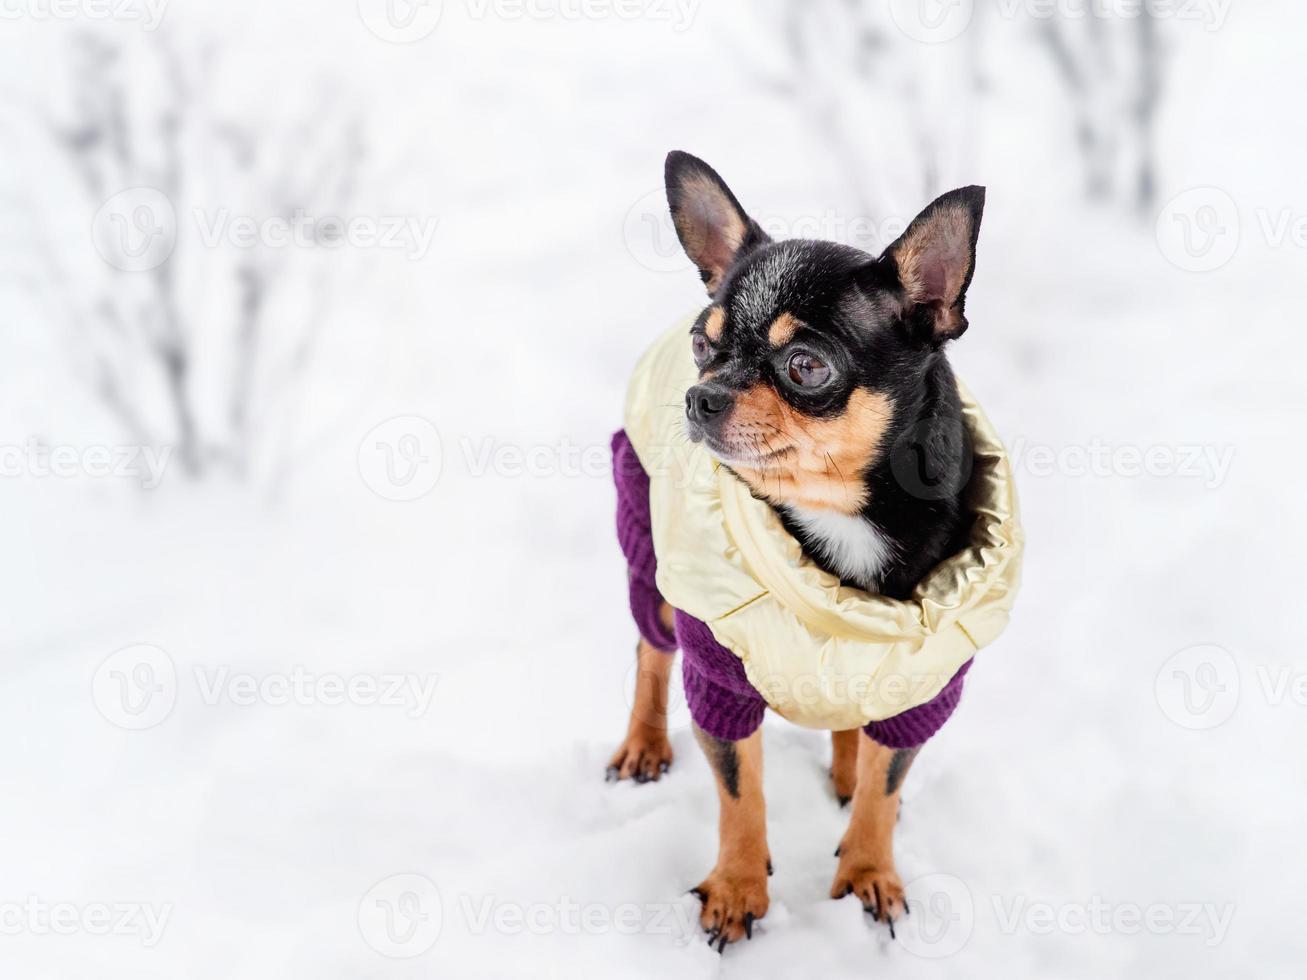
645	753
734	896
866	853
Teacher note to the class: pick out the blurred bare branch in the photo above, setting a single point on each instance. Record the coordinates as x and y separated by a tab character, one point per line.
871	94
1112	75
146	320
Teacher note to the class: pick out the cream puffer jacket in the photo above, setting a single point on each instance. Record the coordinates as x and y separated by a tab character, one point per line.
822	655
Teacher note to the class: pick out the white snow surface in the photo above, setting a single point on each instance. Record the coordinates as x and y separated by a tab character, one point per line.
1061	825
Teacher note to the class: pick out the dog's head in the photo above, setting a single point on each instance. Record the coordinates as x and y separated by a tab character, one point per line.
811	352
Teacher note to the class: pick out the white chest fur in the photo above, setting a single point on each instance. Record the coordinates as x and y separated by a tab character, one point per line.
853	547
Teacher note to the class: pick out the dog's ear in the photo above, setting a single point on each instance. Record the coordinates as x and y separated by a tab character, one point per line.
934	259
712	227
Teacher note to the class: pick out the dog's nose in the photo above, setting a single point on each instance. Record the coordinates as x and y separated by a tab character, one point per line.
705	403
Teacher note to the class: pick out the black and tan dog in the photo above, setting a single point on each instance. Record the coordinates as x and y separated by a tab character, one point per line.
815	358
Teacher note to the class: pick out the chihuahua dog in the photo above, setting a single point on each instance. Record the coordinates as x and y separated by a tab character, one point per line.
822	381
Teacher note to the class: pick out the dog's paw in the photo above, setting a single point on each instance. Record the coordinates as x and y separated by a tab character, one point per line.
644	756
732	903
878	889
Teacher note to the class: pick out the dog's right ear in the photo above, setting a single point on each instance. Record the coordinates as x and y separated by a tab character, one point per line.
713	228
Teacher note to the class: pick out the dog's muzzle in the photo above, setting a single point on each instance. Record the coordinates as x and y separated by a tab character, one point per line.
707	405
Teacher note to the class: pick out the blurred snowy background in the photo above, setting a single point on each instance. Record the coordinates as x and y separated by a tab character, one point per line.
315	319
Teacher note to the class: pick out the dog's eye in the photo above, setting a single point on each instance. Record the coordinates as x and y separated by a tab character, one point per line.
807	370
701	349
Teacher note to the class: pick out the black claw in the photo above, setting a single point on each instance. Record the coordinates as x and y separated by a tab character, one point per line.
838	848
748	925
890	923
844	800
664	766
610	775
770	869
906	910
848	890
698	893
721	947
872	911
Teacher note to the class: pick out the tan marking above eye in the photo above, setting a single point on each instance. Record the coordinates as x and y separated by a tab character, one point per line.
824	459
715	324
782	330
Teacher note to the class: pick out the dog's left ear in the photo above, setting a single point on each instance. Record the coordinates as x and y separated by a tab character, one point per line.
713	228
934	259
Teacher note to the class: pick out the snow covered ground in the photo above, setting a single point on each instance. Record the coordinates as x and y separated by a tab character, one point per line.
300	728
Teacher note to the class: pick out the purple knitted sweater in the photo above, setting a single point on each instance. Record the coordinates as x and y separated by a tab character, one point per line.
722	701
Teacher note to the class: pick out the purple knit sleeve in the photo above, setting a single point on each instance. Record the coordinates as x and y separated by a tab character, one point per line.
916	725
722	701
635	536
